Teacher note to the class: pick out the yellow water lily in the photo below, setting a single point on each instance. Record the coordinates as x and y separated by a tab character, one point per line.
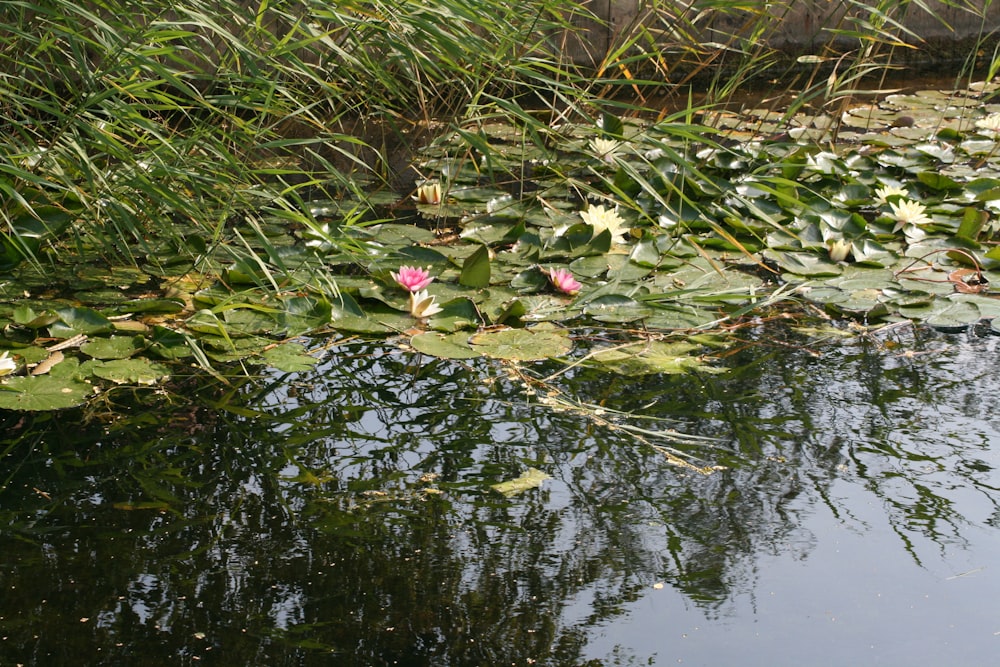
601	218
840	249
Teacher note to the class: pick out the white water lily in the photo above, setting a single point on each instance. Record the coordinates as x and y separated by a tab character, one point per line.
428	193
423	305
907	213
991	123
7	365
604	148
601	218
882	194
840	249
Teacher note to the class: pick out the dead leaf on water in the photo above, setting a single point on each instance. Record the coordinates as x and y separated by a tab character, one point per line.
46	366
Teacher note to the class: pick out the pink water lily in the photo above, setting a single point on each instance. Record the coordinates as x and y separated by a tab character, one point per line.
564	281
412	278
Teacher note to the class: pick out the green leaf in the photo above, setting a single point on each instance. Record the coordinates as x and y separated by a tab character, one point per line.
44	392
113	347
520	344
612	126
446	346
533	280
151	306
652	357
460	313
972	224
27	317
207	322
937	181
303	314
476	269
529	479
289	357
616	308
169	344
131	371
645	253
80	321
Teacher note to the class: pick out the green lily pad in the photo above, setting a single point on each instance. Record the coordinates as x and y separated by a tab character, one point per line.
652	357
130	371
27	317
169	344
521	344
460	313
302	314
476	269
616	308
73	321
445	346
289	357
44	392
113	347
206	322
151	306
803	263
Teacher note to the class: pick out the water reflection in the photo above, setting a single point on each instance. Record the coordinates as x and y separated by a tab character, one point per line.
344	517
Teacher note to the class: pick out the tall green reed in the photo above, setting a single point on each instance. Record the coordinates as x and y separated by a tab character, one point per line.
134	129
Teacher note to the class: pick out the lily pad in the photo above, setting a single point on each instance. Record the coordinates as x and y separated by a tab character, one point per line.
289	357
668	357
130	371
616	308
75	321
113	347
44	392
446	346
521	344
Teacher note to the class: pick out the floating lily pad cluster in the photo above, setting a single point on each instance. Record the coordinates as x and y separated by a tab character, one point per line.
60	353
521	246
897	219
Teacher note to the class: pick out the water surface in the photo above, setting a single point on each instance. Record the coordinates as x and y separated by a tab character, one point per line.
345	516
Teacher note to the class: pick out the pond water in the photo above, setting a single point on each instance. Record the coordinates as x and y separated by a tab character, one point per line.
345	516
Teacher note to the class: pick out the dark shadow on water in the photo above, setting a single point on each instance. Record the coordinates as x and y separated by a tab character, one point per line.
345	517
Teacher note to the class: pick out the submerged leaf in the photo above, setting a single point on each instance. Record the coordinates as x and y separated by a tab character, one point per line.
529	479
653	357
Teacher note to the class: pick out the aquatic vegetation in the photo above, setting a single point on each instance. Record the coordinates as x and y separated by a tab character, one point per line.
603	219
563	280
246	215
411	278
423	305
428	193
907	212
7	365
